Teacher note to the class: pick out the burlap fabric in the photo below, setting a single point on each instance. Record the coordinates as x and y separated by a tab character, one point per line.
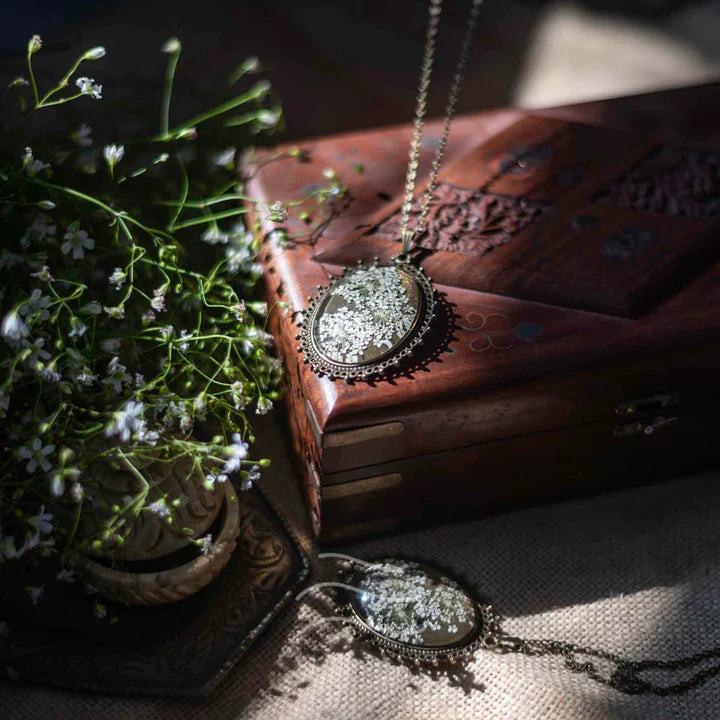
636	572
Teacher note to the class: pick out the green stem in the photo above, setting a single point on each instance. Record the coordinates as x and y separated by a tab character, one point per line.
167	92
63	83
209	218
32	78
245	97
183	193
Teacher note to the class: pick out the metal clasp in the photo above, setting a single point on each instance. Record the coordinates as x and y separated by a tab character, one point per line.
643	415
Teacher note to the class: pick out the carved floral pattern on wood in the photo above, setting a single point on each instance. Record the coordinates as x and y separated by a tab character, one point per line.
670	181
466	220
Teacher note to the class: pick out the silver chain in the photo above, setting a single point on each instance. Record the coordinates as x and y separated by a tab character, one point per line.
420	108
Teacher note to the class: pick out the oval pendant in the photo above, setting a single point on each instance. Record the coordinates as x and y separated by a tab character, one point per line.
415	612
366	320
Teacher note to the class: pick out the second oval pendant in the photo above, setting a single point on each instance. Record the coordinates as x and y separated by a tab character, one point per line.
365	321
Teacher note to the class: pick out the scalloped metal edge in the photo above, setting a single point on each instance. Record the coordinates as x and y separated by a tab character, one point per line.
365	371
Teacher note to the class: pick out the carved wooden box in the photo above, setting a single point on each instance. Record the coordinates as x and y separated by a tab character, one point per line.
575	251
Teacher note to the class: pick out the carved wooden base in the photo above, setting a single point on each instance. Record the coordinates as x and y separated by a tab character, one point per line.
172	581
183	648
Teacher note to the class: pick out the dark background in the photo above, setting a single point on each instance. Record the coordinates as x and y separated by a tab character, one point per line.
354	64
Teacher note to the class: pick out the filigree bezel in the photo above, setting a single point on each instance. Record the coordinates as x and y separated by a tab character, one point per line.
389	360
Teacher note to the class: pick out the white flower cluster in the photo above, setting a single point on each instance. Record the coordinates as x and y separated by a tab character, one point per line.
403	603
377	314
92	372
39	525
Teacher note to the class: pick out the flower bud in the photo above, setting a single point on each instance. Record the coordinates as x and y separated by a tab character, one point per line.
94	53
47	204
34	44
171	46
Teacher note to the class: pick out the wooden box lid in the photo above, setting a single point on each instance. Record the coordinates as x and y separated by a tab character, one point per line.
574	283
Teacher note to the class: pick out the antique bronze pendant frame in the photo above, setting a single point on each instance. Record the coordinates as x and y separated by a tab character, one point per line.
484	635
374	361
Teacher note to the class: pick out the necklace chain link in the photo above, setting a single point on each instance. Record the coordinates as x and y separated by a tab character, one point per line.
426	69
625	675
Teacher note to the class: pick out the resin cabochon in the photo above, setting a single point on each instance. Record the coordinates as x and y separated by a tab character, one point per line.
415	604
367	315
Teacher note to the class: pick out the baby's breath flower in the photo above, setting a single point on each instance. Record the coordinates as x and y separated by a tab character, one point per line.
113	154
91	308
148	317
50	375
117	312
82	135
85	378
117	279
77	241
126	421
36	455
185	335
206	545
226	158
37	354
237	451
263	405
159	508
212	478
57	485
77	327
19	81
149	437
158	301
214	236
116	376
166	332
87	86
47	204
42	522
252	476
37	166
43	274
237	392
36	306
13	329
76	492
238	310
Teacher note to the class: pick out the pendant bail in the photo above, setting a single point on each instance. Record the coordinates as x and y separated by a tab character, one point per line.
407	240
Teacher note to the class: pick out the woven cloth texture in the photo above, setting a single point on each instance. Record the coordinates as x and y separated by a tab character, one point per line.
636	572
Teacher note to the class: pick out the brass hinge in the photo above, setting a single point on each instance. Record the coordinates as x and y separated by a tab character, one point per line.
647	415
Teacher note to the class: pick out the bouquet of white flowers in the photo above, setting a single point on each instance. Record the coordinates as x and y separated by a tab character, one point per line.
129	332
